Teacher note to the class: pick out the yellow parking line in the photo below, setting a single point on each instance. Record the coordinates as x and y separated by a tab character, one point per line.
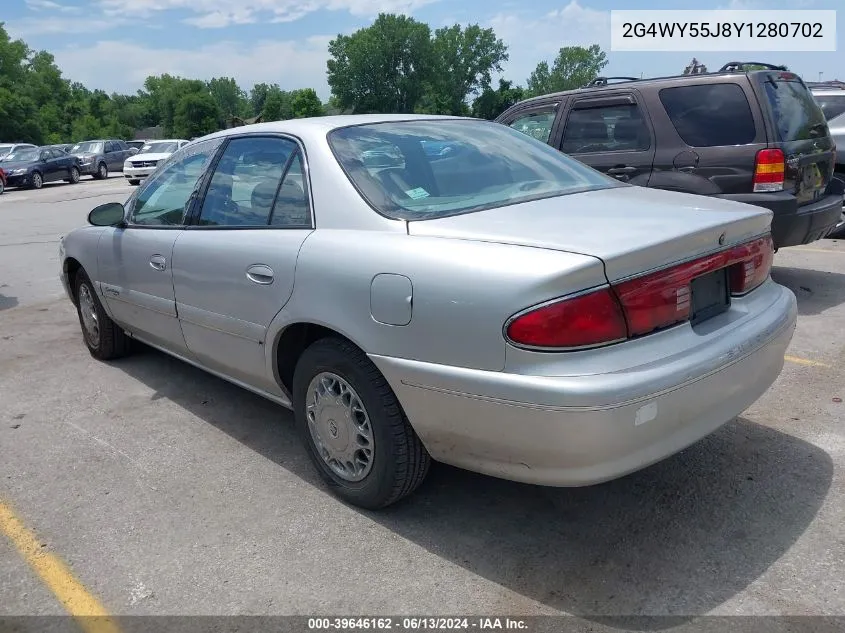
804	361
91	616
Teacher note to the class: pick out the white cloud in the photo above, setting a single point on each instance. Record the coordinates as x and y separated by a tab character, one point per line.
122	66
63	25
217	14
49	5
532	38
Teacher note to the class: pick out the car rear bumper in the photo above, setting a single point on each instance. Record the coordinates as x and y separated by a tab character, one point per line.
583	430
793	225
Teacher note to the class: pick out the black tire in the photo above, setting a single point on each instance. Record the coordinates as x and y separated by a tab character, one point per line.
111	341
36	181
134	182
400	461
74	176
102	172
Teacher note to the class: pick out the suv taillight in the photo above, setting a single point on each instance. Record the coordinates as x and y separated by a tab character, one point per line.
637	306
769	170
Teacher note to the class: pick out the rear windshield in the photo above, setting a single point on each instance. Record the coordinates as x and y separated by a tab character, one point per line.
797	115
426	169
831	105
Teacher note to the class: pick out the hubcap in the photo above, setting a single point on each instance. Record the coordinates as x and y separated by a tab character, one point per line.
103	171
88	311
340	426
36	181
74	175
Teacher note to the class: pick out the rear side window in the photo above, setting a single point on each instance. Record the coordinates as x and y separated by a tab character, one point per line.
797	115
710	115
831	105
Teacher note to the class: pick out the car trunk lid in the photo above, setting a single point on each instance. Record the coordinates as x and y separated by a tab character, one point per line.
798	128
633	230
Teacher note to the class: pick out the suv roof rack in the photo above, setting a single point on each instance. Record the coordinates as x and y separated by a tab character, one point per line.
734	66
602	81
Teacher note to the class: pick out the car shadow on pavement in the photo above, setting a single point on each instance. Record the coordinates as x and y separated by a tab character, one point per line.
679	538
816	290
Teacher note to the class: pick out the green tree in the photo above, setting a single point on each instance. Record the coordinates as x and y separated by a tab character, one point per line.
257	97
491	103
196	114
306	103
383	67
463	61
277	105
230	99
573	67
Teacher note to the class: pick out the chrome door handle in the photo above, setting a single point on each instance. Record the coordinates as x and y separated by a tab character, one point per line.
260	274
158	262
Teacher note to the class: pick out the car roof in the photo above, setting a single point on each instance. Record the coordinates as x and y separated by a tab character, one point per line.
647	82
325	124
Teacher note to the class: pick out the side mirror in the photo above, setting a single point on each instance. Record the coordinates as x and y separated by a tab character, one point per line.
108	214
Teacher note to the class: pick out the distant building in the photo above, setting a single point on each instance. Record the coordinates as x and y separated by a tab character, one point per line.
149	133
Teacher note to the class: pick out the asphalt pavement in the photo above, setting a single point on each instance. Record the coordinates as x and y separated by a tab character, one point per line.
167	491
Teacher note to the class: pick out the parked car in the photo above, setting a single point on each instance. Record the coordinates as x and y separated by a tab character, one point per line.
10	148
137	144
750	136
505	309
2	181
831	99
98	158
32	167
151	155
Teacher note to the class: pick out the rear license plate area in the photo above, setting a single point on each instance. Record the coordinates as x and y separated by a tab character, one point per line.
709	296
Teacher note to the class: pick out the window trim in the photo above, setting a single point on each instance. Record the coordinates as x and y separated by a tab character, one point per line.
592	103
190	203
193	217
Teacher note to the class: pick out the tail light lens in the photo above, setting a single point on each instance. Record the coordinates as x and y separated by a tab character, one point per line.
769	170
637	306
586	320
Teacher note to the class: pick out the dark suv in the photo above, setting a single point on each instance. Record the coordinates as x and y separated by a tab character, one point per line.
754	136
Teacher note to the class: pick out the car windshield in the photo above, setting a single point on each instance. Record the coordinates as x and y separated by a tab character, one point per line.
5	149
88	147
426	169
158	148
22	155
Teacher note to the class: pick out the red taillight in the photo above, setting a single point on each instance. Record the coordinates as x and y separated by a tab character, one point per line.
585	320
640	305
769	170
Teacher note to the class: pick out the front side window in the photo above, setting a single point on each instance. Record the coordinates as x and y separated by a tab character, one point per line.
243	188
710	115
163	198
612	128
488	165
535	124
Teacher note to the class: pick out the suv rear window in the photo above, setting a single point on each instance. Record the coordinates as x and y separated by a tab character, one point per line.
831	105
710	115
797	115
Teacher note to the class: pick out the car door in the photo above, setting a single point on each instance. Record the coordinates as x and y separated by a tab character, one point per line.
233	267
611	133
113	156
135	260
51	167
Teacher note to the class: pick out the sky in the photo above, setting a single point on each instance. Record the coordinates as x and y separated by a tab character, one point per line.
115	44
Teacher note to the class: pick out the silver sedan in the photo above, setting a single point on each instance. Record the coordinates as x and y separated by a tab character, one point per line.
421	288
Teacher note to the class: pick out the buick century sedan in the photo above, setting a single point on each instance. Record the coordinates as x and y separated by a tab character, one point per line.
500	306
